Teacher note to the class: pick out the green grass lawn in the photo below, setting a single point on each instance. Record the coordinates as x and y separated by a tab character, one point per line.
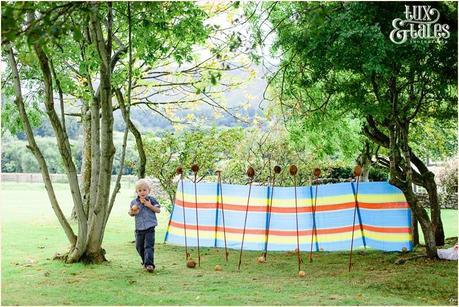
450	226
31	235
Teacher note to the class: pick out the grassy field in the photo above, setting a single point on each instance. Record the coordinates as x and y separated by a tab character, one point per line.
31	236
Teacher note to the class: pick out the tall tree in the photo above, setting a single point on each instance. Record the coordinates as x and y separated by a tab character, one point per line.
72	52
337	57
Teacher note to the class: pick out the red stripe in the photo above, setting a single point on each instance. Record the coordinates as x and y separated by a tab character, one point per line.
303	209
293	232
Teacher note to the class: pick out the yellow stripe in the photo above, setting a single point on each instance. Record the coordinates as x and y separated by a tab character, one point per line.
391	237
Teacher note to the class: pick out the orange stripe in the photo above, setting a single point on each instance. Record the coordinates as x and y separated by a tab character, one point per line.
293	232
303	209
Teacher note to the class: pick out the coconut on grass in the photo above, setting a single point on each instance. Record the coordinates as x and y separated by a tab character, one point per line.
191	264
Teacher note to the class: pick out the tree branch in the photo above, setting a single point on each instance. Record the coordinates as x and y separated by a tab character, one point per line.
19	101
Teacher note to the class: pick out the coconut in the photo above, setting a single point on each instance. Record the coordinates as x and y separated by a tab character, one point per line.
195	168
277	169
191	264
261	259
317	172
135	208
250	172
357	170
179	170
301	274
293	170
218	268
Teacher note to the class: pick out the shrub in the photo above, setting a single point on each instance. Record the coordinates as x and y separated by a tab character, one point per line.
378	173
341	172
447	178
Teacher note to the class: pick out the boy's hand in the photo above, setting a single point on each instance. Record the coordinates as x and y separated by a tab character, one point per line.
134	210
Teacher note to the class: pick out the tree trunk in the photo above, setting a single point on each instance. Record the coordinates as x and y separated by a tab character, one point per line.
85	182
126	130
426	226
365	162
428	182
402	174
415	229
86	164
435	210
97	218
66	154
135	132
91	202
435	214
19	101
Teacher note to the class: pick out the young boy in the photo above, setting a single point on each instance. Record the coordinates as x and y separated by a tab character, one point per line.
144	208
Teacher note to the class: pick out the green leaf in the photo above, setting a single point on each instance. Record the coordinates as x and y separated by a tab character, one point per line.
77	36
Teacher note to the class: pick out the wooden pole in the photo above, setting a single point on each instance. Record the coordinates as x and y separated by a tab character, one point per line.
313	209
277	170
195	169
357	173
293	170
223	213
179	171
250	174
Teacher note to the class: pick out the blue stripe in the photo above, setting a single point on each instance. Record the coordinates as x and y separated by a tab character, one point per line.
354	191
216	212
314	215
268	218
167	230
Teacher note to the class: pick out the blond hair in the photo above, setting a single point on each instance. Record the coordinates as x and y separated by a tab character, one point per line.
142	183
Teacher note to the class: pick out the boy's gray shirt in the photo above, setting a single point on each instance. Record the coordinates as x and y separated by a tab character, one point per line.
145	218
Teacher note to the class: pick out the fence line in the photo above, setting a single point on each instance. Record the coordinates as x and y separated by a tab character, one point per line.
56	178
127	181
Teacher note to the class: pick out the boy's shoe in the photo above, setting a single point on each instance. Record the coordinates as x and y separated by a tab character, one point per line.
150	268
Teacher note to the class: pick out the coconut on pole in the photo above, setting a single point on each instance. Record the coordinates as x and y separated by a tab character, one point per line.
250	174
220	192
179	171
293	170
277	170
316	173
195	169
357	173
